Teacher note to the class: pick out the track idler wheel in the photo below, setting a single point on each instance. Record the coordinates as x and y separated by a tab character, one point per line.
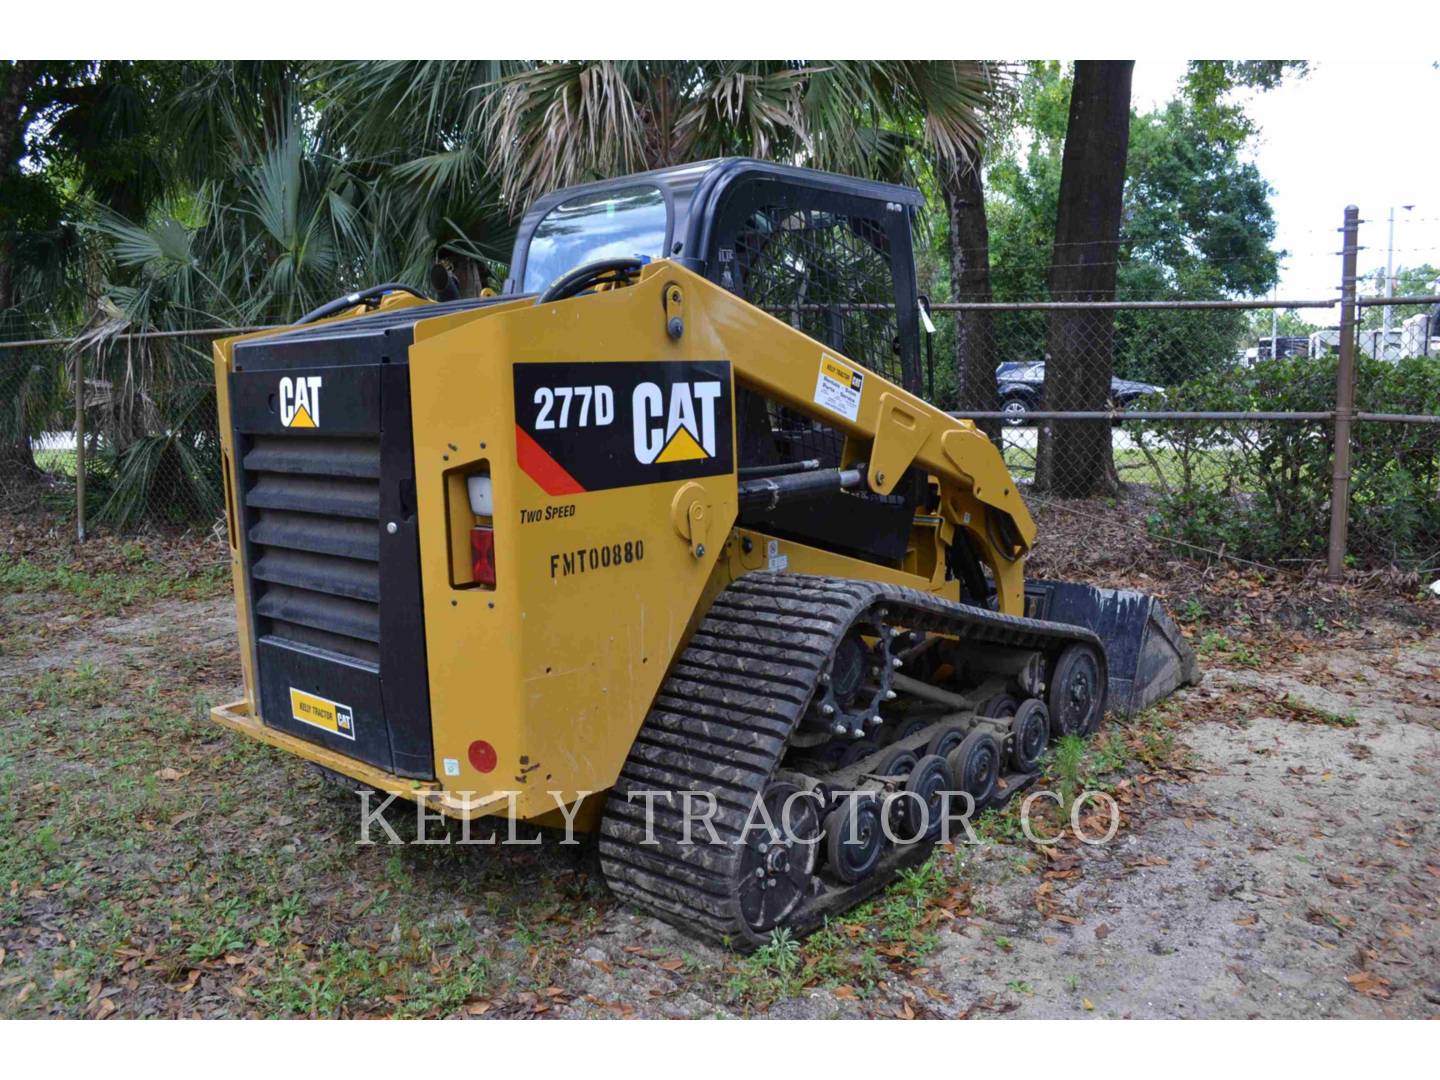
1029	736
776	864
1077	692
853	847
975	767
927	786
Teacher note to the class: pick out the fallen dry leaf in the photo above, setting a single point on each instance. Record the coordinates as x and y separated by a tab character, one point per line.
1367	982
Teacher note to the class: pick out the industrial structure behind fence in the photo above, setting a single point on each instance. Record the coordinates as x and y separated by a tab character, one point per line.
1260	447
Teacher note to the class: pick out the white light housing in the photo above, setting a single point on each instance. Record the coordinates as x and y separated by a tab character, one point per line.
482	501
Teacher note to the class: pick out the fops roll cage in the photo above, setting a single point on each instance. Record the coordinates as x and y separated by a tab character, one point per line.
829	254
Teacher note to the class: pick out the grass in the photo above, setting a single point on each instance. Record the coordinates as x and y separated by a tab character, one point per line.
144	851
62	462
853	956
1306	713
1154	465
137	580
1217	645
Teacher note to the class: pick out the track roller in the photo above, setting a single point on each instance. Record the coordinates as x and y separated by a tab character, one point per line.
999	707
1077	691
897	764
854	839
1029	735
903	730
975	766
947	739
928	784
855	752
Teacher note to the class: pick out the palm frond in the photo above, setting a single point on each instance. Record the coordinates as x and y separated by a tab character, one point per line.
556	124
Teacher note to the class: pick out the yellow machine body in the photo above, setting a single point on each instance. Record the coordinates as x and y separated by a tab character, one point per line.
597	591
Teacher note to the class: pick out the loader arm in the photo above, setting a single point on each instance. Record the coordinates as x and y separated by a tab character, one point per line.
890	431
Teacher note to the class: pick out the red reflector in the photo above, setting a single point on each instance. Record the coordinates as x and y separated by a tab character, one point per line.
482	756
482	554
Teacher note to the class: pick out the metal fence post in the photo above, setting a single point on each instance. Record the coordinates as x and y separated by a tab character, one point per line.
1344	401
80	445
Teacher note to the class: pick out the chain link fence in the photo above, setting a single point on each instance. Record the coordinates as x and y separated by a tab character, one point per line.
1197	419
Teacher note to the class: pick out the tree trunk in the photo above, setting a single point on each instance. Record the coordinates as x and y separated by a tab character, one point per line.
14	121
14	117
471	274
17	460
1075	458
960	185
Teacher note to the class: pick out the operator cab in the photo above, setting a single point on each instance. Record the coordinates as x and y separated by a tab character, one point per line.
830	255
817	249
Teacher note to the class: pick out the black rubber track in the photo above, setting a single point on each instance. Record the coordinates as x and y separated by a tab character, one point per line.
720	724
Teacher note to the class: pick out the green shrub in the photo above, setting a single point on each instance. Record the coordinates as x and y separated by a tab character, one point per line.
1262	489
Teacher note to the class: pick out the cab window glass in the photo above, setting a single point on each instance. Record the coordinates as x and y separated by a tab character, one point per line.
626	223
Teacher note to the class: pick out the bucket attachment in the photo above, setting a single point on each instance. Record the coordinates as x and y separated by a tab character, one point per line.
1148	657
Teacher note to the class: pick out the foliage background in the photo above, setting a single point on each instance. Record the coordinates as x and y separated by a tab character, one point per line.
176	196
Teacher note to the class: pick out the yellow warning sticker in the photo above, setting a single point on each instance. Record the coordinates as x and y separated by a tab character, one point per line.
838	387
322	713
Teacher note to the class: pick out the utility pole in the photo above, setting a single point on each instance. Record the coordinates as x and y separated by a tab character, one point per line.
1384	350
1274	323
1389	283
1344	401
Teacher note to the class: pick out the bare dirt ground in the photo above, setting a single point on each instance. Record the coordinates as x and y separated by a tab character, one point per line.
1278	854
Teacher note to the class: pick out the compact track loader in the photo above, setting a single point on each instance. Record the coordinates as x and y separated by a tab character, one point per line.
665	527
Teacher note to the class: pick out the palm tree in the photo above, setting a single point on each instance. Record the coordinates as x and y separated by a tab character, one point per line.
415	127
554	124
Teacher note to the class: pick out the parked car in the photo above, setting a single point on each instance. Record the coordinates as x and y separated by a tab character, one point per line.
1021	383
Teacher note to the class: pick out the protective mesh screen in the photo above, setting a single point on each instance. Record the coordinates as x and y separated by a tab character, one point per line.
826	274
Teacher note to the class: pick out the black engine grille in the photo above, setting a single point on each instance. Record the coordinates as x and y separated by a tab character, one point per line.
316	542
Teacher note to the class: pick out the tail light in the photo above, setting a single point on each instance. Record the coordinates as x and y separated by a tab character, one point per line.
482	555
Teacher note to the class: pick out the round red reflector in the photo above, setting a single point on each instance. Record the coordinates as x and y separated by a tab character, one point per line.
482	756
